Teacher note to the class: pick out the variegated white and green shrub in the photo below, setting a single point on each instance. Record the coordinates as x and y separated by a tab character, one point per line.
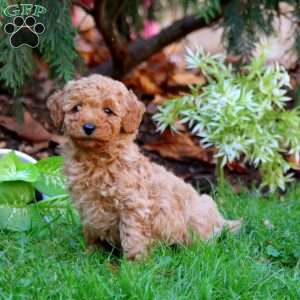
242	114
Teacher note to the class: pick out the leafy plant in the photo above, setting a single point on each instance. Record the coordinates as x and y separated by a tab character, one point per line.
19	181
119	21
242	114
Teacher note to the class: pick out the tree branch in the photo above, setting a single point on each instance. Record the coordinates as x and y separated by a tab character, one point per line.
143	49
111	35
140	50
125	57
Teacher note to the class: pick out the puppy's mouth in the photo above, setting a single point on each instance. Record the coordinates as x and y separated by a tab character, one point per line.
88	141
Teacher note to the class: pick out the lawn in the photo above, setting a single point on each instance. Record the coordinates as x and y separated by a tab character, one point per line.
262	262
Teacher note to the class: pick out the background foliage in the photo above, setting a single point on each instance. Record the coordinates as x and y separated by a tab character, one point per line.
243	22
56	46
242	114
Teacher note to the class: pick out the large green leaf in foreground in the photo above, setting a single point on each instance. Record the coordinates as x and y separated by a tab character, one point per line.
15	218
33	215
50	181
13	169
18	181
17	193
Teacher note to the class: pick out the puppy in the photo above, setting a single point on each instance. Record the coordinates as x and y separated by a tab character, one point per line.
122	197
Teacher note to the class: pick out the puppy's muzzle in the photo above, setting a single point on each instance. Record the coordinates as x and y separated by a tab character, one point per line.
88	128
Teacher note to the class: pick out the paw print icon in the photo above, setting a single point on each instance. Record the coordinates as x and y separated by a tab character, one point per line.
24	31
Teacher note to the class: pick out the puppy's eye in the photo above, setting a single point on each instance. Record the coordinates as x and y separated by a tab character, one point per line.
108	111
76	108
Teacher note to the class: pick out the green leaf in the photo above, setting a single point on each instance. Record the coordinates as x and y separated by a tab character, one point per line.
16	219
13	169
16	193
51	181
21	218
242	114
61	201
34	215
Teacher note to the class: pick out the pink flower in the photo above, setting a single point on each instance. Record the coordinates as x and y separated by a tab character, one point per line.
150	28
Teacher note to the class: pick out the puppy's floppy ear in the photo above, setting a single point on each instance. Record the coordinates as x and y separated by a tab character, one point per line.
54	104
134	113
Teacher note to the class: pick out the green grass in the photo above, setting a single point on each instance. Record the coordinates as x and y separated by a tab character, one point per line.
262	262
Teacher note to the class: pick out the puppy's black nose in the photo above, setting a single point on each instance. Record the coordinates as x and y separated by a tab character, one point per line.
88	128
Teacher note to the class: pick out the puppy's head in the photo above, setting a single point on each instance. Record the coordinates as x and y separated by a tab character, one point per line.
95	110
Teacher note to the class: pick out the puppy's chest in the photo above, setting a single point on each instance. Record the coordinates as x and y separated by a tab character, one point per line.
93	189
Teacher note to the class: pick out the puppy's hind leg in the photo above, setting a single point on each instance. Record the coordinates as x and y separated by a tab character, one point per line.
207	221
233	225
92	240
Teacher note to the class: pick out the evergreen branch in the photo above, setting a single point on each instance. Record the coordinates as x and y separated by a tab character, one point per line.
57	44
20	65
244	21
